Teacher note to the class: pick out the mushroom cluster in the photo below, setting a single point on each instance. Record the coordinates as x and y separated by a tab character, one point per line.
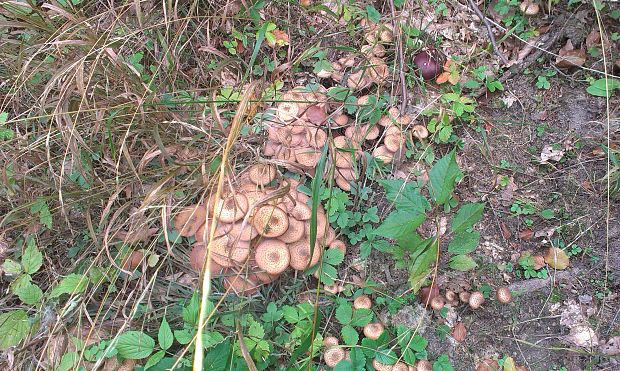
260	231
303	119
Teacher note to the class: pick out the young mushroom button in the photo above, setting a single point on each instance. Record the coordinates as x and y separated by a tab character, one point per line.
373	330
476	299
333	356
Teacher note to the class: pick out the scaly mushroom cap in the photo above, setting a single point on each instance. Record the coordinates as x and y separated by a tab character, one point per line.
420	131
262	174
399	366
271	148
373	330
464	296
437	302
316	137
316	115
381	366
340	245
301	211
295	231
228	255
287	111
362	302
503	295
279	134
393	142
254	197
299	140
307	156
333	356
423	365
321	224
240	285
202	234
270	221
393	130
298	126
341	120
300	255
257	274
389	119
190	219
330	341
198	256
272	256
243	233
231	208
476	299
383	154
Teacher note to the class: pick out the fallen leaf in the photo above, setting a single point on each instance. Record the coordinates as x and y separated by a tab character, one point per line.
582	336
526	234
548	153
539	262
509	364
593	39
612	347
459	332
557	258
545	232
506	194
505	231
569	57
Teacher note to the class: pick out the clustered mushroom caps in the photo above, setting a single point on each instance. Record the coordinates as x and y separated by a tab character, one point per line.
257	237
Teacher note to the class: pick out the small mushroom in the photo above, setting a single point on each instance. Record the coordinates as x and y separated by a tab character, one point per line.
330	341
464	296
198	256
243	233
529	8
341	120
459	332
307	156
294	232
451	297
383	154
272	256
362	302
340	245
503	295
423	365
476	299
428	64
262	174
399	366
231	208
373	330
316	137
333	289
229	253
378	366
333	356
301	211
316	115
437	302
393	142
300	255
428	293
270	221
420	131
241	286
287	111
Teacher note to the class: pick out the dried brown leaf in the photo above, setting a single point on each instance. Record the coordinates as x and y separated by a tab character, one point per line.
557	258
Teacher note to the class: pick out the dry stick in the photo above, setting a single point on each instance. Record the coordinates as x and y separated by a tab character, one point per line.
484	20
401	59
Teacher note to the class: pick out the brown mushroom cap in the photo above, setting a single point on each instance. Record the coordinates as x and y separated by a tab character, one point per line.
340	245
464	296
262	174
428	293
300	255
330	236
240	285
243	233
287	111
362	302
316	115
231	208
190	219
133	261
197	258
503	295
321	225
226	254
316	137
295	231
476	299
423	365
307	156
459	332
383	154
270	221
373	330
378	366
342	183
272	256
420	131
347	173
341	120
451	297
330	341
399	366
333	356
271	148
437	302
393	142
488	364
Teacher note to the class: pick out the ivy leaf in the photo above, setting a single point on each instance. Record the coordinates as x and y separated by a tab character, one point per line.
462	263
29	293
32	259
344	313
165	336
72	284
135	345
349	335
14	327
442	177
464	242
467	216
400	223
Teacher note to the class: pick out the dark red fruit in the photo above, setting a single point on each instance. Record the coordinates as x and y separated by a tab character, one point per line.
429	64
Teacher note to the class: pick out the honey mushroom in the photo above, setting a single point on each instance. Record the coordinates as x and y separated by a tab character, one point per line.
198	257
300	257
373	330
270	221
333	355
362	302
262	174
272	256
189	219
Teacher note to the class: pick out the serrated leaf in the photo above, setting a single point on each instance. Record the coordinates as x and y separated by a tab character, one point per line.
164	335
344	365
361	317
333	257
14	327
464	242
406	197
442	177
344	313
72	284
400	223
11	267
135	345
349	335
154	359
32	259
290	314
466	217
462	263
329	274
426	254
29	293
386	356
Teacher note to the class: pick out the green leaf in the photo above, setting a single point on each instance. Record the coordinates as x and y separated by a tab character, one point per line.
29	293
464	242
442	177
40	207
32	259
599	88
344	313
11	267
154	359
406	197
426	254
462	263
4	116
467	216
184	336
386	356
14	327
218	358
290	314
333	257
344	365
72	284
165	336
69	361
328	274
373	14
349	335
442	364
547	214
135	345
400	223
361	317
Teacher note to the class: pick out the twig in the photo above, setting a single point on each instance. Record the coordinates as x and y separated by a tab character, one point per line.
401	59
484	20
